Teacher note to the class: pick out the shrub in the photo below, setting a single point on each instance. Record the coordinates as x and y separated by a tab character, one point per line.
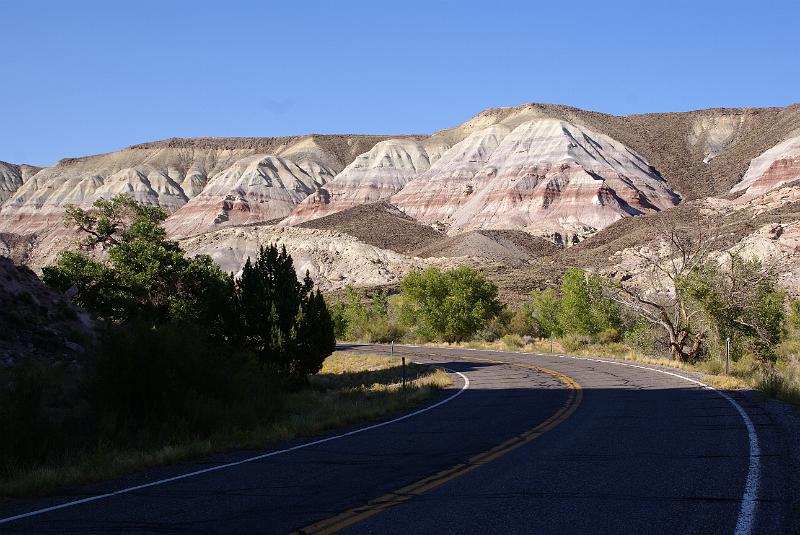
357	320
575	342
279	319
523	322
512	341
609	335
545	309
640	337
449	306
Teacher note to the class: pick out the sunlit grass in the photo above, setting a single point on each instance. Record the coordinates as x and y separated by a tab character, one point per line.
782	381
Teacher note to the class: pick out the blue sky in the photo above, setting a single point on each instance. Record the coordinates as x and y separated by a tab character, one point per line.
83	77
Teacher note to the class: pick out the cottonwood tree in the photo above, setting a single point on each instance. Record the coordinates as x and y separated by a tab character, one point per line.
584	308
681	248
110	221
740	299
144	276
448	305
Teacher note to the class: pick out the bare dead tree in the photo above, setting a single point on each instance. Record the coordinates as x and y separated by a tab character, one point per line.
678	249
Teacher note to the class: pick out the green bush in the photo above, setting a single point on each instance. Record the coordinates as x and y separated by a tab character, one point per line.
609	335
640	336
359	321
450	306
512	341
523	321
545	310
575	342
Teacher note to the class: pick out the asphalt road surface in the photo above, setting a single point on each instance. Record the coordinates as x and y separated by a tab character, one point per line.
520	444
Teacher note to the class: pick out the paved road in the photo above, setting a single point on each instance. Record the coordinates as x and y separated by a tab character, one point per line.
534	444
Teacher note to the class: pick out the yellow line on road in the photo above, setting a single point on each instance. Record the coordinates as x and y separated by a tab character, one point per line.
404	494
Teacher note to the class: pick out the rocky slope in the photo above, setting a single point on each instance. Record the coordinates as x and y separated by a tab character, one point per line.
10	180
699	153
551	170
380	224
38	322
333	259
255	189
172	172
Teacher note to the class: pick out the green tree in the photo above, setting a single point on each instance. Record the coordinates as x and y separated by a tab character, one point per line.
281	319
146	276
545	310
356	319
575	311
449	306
605	311
741	302
793	318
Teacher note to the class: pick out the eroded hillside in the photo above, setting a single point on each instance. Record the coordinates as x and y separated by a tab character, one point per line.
484	192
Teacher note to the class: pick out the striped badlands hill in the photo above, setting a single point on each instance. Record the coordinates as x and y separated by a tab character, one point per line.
778	166
546	176
373	176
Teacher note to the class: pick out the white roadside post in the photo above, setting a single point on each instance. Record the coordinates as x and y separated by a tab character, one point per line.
727	355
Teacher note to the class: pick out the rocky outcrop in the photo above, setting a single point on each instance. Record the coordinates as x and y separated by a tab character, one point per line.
39	323
371	177
333	259
777	166
545	176
160	176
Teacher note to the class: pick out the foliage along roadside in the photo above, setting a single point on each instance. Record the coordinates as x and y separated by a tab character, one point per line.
187	350
348	389
588	314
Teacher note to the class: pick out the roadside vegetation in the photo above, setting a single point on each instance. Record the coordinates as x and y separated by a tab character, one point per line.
348	389
679	314
190	360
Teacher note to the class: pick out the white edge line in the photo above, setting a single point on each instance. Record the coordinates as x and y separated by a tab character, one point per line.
243	461
747	512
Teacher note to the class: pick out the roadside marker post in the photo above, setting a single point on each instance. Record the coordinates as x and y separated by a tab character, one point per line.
727	355
551	342
404	366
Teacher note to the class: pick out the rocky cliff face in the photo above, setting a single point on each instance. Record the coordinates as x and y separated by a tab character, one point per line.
544	175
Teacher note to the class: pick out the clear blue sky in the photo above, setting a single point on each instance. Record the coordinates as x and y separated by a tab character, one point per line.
82	77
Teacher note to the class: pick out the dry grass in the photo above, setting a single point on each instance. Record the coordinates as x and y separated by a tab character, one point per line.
782	382
349	389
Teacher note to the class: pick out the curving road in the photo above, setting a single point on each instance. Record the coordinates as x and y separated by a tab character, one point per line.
522	443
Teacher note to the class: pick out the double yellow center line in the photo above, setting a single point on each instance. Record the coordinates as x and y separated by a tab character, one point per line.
404	494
